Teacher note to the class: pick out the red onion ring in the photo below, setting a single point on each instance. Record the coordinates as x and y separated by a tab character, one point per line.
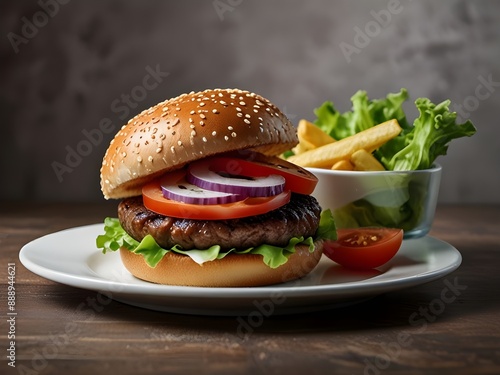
200	174
174	186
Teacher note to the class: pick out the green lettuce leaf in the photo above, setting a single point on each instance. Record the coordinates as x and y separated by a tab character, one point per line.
418	147
327	229
150	250
115	237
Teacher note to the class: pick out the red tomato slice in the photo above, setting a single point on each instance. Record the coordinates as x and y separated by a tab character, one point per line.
251	164
155	201
364	248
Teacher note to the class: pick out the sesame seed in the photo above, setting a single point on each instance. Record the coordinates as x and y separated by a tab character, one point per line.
256	110
203	116
214	133
229	128
247	115
139	159
158	150
150	158
226	138
192	126
259	102
204	139
223	103
179	142
202	123
215	111
192	112
238	109
233	134
193	133
239	114
247	121
242	103
202	104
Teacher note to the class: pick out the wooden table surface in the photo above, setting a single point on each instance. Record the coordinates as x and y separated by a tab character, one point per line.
62	329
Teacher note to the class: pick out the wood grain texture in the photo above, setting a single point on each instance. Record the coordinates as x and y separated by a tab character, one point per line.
60	329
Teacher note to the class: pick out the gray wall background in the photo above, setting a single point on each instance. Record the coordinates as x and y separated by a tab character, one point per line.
62	79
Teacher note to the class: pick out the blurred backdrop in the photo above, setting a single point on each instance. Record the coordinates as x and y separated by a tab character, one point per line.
72	73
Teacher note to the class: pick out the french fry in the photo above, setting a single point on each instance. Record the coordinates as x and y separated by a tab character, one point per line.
343	165
369	139
364	161
300	148
310	136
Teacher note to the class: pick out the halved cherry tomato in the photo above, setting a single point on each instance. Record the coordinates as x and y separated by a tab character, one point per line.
253	164
154	200
364	248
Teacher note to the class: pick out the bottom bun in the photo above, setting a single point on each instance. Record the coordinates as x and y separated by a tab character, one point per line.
234	270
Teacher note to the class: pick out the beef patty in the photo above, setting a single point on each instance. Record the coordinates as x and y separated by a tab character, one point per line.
300	217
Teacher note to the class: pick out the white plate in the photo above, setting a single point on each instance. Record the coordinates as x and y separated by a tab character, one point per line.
70	257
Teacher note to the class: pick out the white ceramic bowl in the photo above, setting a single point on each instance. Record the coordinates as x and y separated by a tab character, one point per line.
395	199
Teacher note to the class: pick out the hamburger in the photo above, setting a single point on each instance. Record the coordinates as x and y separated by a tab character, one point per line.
205	199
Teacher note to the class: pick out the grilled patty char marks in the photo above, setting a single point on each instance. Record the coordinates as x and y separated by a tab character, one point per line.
300	217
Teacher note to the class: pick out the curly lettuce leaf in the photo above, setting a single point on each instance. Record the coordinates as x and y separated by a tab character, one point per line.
115	237
429	137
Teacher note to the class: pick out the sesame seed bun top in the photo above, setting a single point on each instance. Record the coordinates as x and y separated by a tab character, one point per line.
190	127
